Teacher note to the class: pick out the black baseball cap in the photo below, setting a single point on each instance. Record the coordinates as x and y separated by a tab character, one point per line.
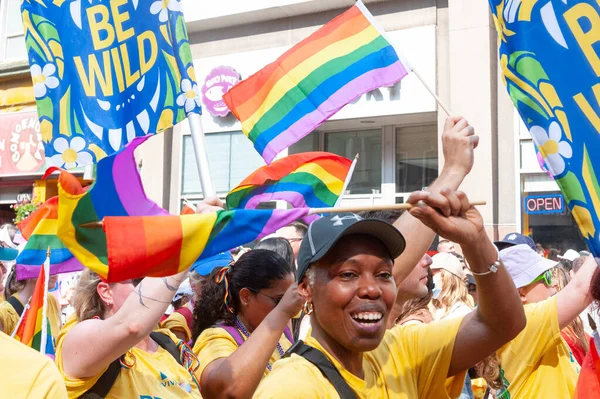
325	232
512	239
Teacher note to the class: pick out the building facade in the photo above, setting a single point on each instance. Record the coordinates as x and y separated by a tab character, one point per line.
395	130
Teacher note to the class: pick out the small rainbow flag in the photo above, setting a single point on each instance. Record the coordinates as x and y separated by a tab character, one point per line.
34	327
41	229
313	80
306	180
588	384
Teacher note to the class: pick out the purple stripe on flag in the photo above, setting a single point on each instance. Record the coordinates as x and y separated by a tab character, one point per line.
26	271
293	197
128	183
281	218
363	84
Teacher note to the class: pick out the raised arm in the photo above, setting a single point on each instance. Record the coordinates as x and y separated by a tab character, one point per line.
458	143
238	375
575	297
91	345
499	316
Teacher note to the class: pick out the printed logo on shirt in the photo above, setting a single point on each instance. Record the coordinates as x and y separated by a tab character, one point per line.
166	382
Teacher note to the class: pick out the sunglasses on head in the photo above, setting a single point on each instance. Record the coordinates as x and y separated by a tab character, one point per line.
546	277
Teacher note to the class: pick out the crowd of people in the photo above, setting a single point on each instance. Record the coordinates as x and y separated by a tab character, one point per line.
351	306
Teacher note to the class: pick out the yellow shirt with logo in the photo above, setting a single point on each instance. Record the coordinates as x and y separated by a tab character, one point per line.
411	362
26	374
217	343
538	362
154	375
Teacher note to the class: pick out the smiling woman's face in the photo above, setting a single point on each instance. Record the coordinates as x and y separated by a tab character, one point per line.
352	294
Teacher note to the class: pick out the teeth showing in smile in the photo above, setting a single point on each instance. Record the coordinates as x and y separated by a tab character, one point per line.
368	317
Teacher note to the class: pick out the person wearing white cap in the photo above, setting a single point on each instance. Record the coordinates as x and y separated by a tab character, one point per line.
450	295
538	363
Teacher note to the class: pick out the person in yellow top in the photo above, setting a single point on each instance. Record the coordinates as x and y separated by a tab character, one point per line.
112	335
19	293
27	374
345	269
241	323
538	362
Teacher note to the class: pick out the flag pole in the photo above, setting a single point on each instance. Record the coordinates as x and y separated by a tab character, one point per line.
44	337
199	142
316	211
405	62
347	182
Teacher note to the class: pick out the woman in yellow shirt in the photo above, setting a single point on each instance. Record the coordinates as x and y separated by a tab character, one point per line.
112	330
345	267
240	322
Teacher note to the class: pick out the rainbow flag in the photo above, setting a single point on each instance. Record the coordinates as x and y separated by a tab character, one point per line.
162	246
313	80
306	180
117	191
588	384
34	327
40	230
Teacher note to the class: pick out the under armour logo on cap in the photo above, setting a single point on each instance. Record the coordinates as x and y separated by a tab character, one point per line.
512	237
339	221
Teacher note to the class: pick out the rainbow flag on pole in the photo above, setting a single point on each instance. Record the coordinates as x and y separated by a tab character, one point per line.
306	180
34	328
41	229
289	98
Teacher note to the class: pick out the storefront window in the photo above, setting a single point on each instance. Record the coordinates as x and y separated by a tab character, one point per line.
306	144
231	158
416	157
367	175
12	39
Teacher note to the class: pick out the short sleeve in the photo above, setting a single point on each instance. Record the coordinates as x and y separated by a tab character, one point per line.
213	344
542	330
427	350
8	318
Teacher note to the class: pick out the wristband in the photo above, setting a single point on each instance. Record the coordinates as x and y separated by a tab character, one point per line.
492	269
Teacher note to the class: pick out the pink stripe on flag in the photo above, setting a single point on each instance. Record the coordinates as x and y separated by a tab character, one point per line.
363	84
293	197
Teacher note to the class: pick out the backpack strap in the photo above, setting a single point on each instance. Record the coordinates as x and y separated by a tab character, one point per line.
165	342
288	334
106	381
235	334
104	384
16	304
332	374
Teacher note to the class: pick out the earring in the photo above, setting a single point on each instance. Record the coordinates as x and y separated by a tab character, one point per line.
307	308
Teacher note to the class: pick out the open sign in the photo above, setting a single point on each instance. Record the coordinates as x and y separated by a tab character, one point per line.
544	204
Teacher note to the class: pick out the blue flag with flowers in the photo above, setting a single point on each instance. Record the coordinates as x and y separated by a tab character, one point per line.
549	54
105	72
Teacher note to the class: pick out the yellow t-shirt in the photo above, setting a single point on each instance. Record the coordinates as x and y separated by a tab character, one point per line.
155	375
26	374
216	343
538	362
411	362
9	317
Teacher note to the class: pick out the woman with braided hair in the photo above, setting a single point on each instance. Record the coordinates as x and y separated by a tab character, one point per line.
241	323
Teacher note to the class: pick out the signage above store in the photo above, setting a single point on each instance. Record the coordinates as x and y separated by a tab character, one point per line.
21	147
217	83
544	204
